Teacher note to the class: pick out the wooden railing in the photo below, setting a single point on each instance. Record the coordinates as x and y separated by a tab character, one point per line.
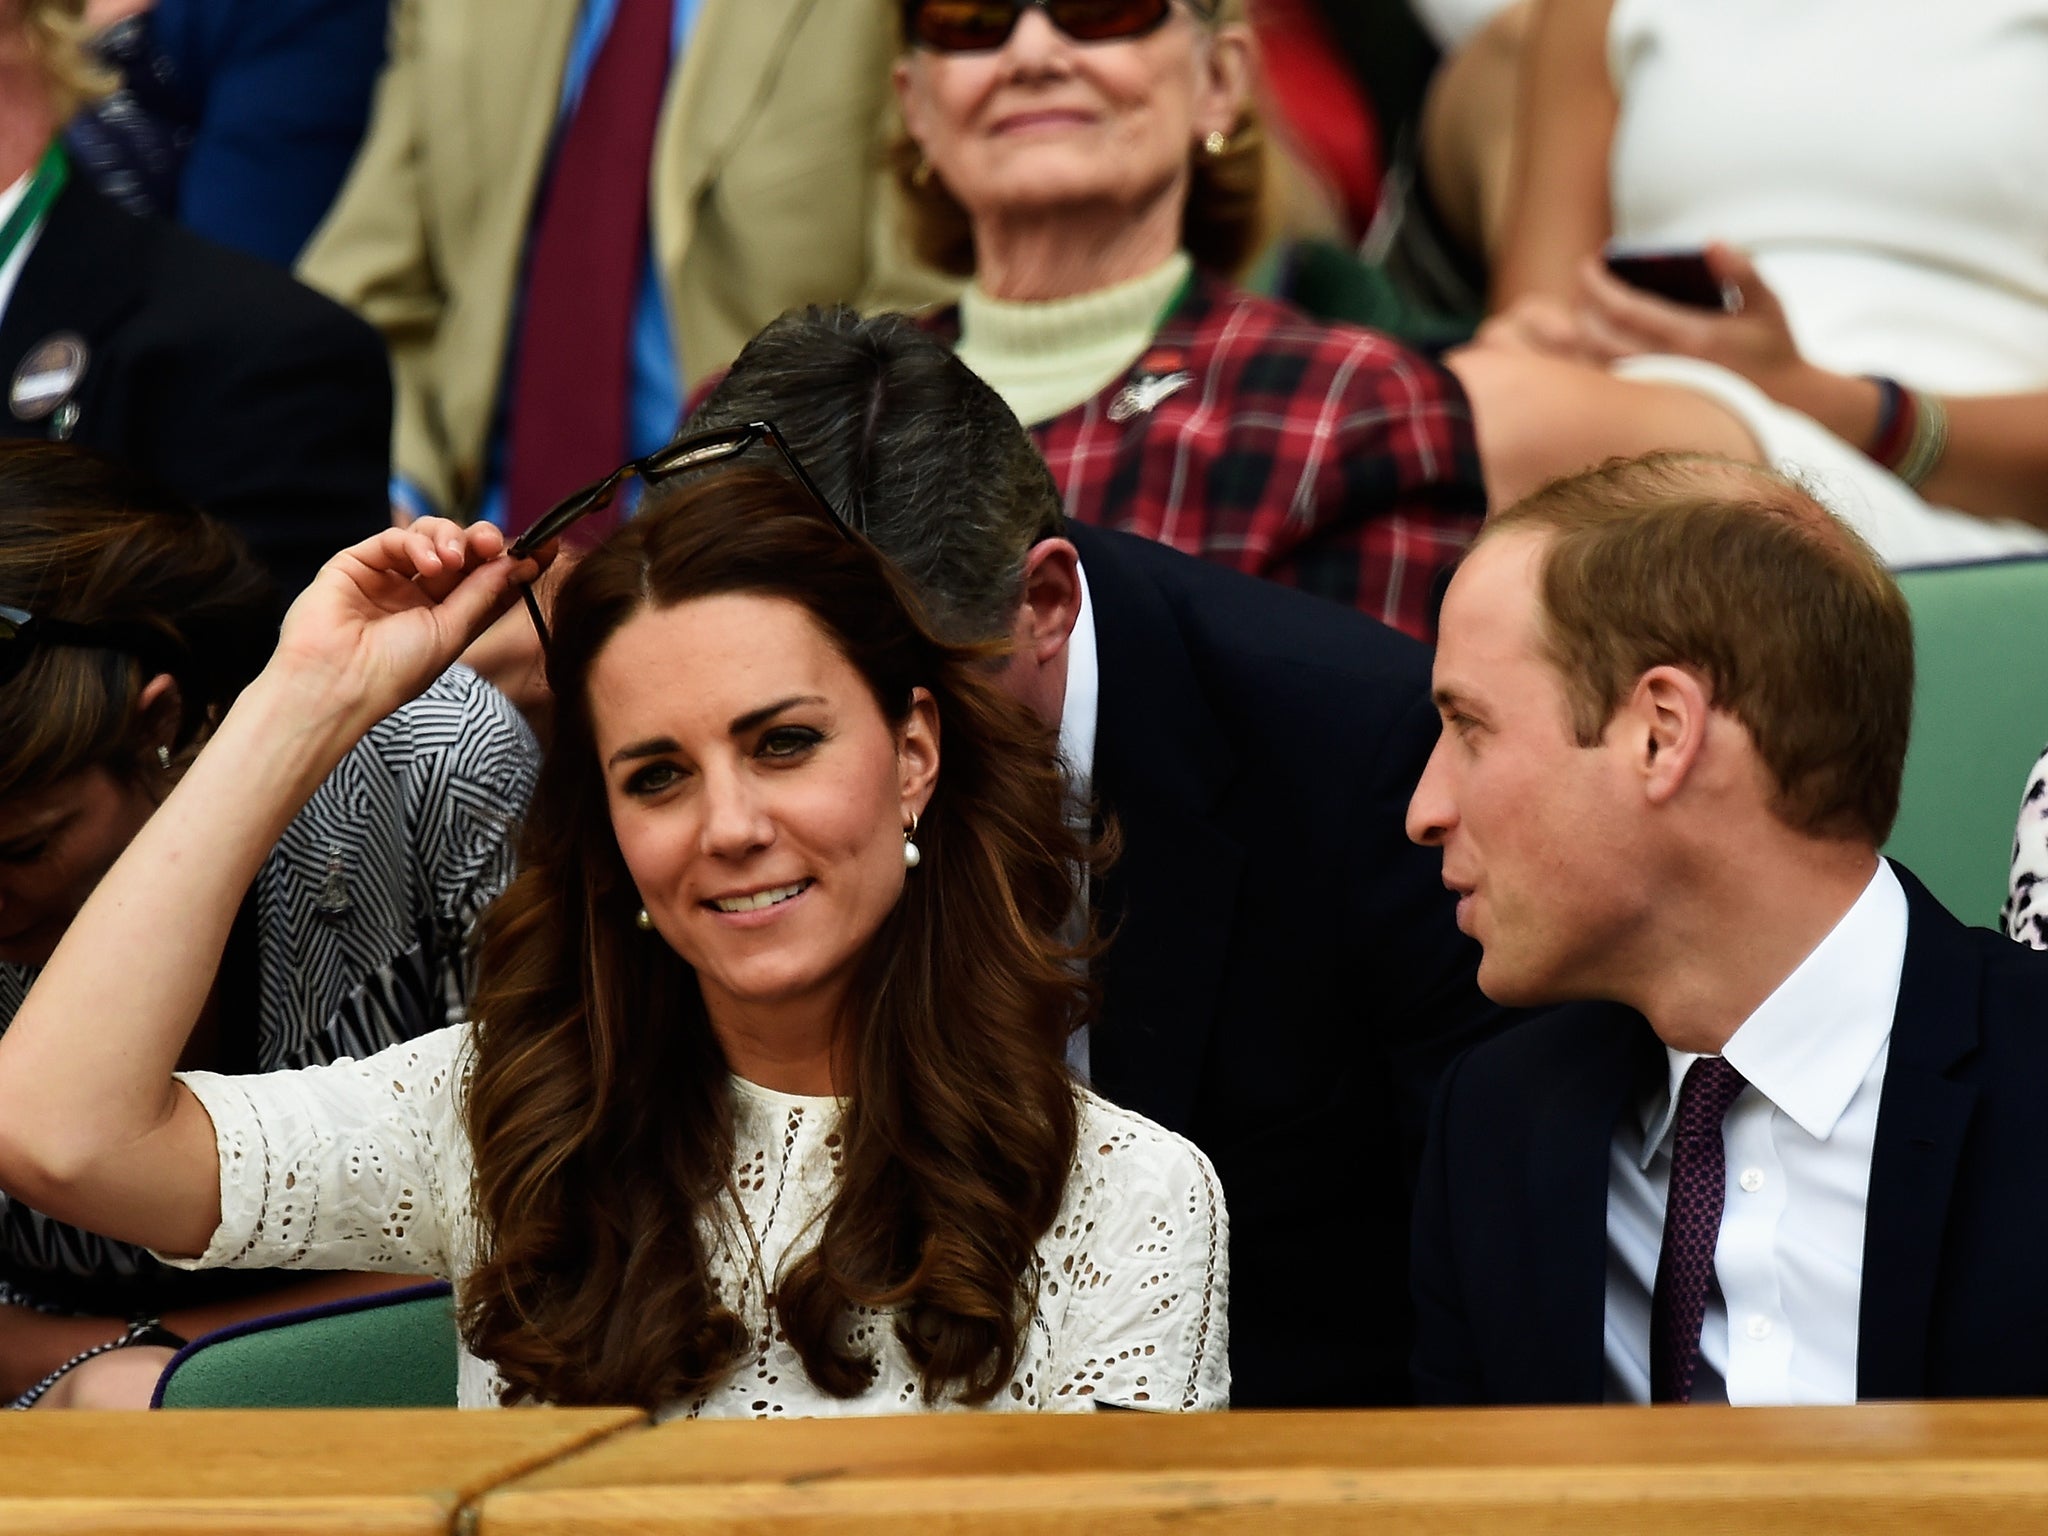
1976	1469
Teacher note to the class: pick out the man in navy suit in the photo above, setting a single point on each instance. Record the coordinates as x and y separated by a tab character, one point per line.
1284	982
1792	1147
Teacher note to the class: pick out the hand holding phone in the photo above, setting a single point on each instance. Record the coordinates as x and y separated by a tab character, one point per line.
1678	273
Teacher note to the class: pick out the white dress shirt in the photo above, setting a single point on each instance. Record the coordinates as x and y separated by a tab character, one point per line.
1077	752
1788	1269
10	269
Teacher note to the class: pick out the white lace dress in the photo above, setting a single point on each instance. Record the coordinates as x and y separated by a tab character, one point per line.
365	1165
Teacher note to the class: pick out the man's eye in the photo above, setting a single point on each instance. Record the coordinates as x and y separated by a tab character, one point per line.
25	853
789	741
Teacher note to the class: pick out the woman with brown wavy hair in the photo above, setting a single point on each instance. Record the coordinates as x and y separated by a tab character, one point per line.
765	1111
128	624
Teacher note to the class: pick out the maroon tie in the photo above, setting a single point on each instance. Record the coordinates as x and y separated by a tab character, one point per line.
568	421
1692	1227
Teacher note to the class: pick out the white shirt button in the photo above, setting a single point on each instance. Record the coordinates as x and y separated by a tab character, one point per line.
1752	1179
1759	1328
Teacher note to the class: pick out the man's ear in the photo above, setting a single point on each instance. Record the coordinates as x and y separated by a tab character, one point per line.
1669	714
1051	605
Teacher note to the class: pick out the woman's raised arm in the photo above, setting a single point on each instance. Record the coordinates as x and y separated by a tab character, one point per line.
93	1129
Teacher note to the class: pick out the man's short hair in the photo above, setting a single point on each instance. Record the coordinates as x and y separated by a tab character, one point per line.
912	445
1741	577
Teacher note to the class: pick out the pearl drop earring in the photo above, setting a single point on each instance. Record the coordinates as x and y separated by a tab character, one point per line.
643	922
911	857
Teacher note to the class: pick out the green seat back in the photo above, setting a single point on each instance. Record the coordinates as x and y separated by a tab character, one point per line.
1980	716
373	1354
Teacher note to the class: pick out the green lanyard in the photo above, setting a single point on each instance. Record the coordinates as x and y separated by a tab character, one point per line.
50	175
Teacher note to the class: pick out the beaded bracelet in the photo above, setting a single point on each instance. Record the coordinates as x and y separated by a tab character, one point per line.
1912	430
143	1331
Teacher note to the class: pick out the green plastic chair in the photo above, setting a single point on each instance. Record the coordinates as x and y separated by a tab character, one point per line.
1980	716
394	1350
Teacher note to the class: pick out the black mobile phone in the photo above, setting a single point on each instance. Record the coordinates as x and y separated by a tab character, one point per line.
1680	274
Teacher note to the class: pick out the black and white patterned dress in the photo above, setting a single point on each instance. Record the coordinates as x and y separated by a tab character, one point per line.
2025	916
359	921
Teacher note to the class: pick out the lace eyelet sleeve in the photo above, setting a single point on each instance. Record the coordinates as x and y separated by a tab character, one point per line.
1138	1272
352	1165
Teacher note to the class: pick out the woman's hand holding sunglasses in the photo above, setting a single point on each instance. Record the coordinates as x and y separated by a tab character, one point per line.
387	616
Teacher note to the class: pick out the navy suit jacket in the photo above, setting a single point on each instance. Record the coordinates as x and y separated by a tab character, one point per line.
1511	1215
241	390
1286	979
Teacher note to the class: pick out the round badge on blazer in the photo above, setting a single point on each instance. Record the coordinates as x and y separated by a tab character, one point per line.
47	376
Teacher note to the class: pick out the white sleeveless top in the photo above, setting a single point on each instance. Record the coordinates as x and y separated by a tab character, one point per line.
365	1165
1884	161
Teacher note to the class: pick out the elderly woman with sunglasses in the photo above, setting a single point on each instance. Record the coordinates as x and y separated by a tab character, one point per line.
765	1111
1097	168
128	626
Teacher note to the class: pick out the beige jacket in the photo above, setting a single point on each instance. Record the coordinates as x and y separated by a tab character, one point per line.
767	192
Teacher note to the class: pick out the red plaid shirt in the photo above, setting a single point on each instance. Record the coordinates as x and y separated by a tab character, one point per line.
1325	456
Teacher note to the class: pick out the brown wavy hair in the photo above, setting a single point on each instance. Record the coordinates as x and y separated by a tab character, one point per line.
598	1108
89	541
1227	219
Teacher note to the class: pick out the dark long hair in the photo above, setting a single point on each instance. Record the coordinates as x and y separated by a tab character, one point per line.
598	1107
84	540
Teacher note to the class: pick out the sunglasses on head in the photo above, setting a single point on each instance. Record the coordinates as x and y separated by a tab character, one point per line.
694	451
21	632
970	26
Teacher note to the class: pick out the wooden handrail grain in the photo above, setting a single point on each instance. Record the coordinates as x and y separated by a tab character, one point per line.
379	1473
1972	1469
1980	1469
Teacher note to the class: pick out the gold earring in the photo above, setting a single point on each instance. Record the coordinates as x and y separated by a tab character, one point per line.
1215	143
921	173
642	921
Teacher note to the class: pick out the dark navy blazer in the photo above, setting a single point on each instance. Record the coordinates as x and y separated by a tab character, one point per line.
1511	1215
1286	981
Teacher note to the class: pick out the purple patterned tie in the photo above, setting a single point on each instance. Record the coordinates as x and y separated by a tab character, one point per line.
1692	1227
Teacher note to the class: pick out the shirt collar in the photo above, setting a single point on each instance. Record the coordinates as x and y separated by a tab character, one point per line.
1810	1044
1077	714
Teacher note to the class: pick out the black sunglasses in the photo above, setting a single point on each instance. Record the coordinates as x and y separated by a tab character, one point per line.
21	632
973	26
697	450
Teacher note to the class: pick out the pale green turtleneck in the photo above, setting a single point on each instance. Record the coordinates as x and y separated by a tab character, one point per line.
1047	356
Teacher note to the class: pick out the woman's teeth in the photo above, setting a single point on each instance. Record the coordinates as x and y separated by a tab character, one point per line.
759	899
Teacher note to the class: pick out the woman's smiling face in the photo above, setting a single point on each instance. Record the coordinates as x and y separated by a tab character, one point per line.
759	796
1047	123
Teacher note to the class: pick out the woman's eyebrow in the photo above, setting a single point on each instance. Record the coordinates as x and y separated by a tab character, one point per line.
35	828
654	746
741	724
